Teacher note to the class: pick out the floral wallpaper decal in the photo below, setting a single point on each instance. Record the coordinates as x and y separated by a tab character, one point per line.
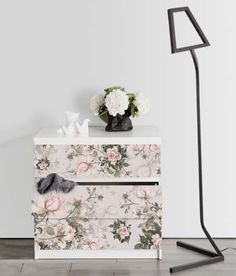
98	160
150	237
98	217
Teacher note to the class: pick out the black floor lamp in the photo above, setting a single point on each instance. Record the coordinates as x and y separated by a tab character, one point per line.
216	256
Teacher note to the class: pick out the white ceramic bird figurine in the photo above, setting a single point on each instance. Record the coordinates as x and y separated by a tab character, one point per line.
69	128
72	126
83	128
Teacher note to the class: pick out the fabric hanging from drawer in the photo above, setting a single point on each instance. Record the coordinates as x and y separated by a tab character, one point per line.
54	182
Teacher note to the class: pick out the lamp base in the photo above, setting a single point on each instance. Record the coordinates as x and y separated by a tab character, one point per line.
214	257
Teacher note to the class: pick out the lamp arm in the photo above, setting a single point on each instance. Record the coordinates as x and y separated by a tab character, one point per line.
195	61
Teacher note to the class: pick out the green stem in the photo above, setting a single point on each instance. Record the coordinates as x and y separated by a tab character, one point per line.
97	150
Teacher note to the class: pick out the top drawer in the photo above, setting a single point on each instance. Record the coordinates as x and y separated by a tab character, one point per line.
98	160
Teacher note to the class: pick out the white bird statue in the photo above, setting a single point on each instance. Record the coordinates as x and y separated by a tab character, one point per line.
83	128
72	126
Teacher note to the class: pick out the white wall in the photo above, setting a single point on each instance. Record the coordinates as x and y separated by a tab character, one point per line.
55	54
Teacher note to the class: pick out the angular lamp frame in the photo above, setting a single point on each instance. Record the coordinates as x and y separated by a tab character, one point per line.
198	29
216	256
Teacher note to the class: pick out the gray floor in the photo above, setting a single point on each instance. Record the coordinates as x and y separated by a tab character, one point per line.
16	257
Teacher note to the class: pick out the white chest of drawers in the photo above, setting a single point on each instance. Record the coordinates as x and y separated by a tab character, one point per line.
115	211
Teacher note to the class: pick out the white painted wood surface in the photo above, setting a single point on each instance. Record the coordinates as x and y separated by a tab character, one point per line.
98	254
98	135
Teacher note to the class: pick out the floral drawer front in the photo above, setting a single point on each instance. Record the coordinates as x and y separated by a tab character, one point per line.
109	201
73	161
74	234
94	220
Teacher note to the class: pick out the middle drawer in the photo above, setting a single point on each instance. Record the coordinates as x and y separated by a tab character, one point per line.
100	201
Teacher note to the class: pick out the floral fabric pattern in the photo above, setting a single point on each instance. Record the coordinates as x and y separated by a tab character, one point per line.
99	217
76	161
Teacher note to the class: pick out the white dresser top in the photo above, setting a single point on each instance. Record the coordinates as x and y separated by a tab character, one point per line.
98	135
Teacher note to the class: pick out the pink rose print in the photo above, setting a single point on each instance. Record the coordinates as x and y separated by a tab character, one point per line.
156	239
123	231
43	164
66	231
153	147
53	203
82	166
113	155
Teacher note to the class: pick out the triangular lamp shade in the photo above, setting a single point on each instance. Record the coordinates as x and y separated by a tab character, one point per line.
203	40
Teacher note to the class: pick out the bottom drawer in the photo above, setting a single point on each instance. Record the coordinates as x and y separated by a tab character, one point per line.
74	233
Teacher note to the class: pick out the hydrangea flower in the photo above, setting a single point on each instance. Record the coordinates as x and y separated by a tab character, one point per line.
117	102
96	102
142	103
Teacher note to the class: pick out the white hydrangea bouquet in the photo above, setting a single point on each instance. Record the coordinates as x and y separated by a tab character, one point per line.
115	106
